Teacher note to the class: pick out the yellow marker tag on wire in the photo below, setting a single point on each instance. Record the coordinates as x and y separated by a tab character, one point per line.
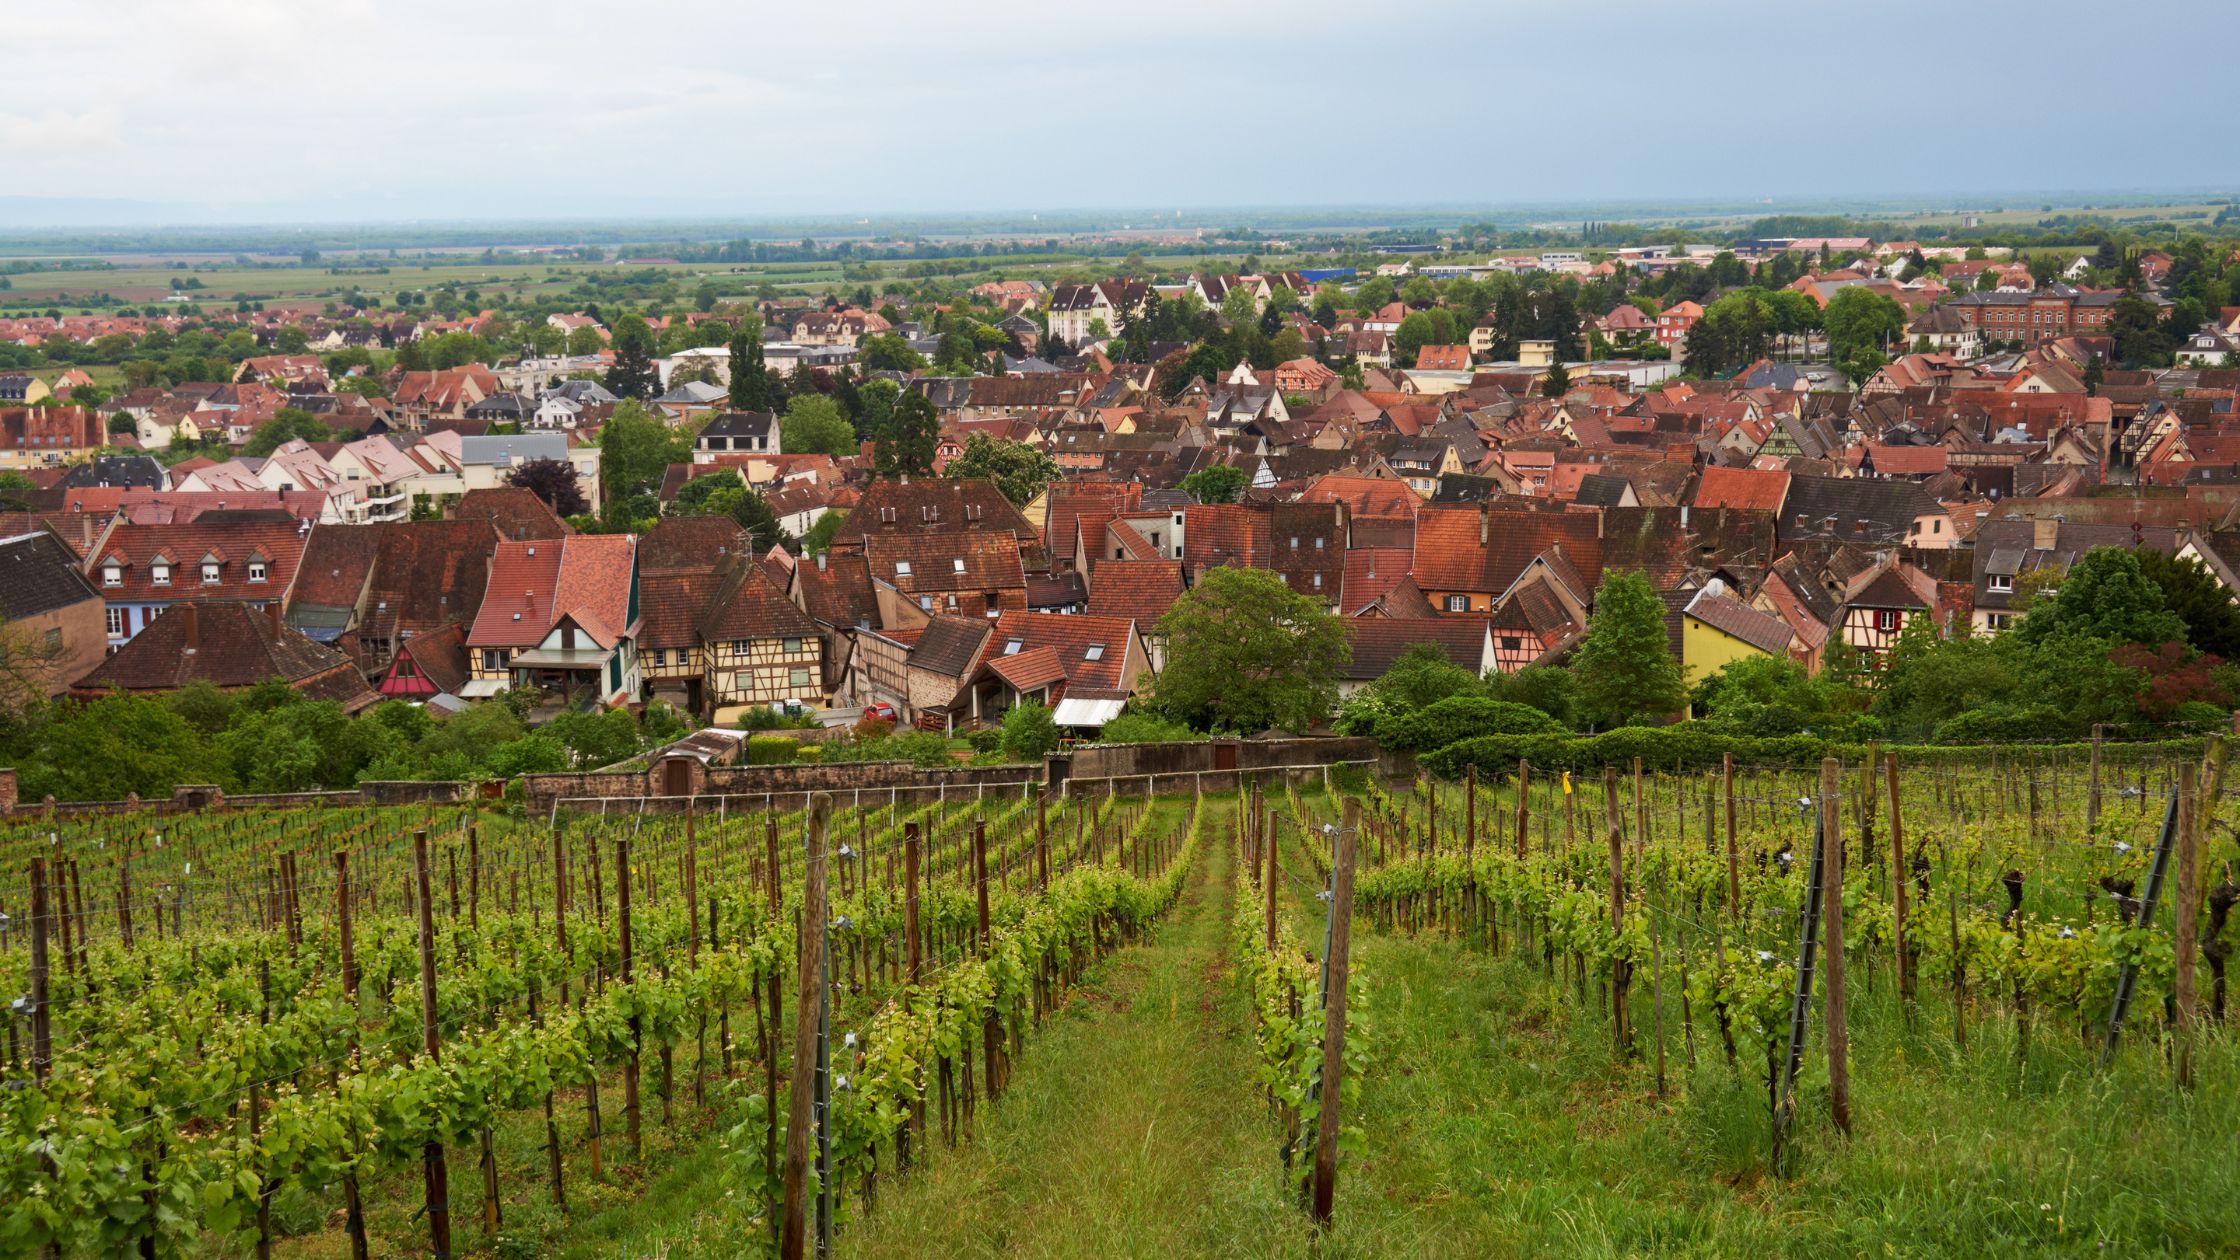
1567	783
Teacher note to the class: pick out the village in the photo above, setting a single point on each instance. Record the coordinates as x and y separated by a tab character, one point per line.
932	511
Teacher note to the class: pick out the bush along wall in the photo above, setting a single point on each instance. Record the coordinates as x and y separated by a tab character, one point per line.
1682	748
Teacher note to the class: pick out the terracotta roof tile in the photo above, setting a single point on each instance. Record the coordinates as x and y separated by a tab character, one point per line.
1141	589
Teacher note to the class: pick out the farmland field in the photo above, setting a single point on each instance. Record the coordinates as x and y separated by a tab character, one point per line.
1568	1022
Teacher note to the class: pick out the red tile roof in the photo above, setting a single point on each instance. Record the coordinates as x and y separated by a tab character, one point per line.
230	645
534	584
1141	589
1757	489
1484	549
234	540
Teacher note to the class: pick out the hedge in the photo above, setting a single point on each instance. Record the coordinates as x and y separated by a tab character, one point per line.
772	750
1683	748
1458	718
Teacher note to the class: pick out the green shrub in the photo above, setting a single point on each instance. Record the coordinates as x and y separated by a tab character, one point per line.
771	750
985	739
1146	728
1461	717
2003	724
1029	731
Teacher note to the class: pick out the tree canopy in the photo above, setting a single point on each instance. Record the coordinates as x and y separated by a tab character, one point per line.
1020	471
1624	667
814	426
1244	653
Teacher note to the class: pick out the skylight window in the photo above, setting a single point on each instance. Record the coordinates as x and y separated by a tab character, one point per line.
1095	652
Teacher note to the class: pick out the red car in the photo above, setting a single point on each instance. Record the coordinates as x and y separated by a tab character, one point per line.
880	710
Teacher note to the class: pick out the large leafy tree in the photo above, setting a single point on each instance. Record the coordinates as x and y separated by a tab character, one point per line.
286	425
724	494
814	426
1860	324
750	377
1244	653
635	451
554	481
2105	595
1216	483
2194	594
1020	471
1625	666
633	374
905	446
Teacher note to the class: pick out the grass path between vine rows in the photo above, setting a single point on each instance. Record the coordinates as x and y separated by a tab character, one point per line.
1131	1128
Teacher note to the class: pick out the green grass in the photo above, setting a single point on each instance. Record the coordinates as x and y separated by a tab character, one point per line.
1498	1123
1495	1121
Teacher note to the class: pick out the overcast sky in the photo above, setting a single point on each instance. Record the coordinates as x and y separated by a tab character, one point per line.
266	109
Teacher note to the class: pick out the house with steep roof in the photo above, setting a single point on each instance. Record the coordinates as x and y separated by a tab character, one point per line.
1717	629
1378	642
48	437
142	571
562	615
427	666
50	618
233	646
1083	667
1467	558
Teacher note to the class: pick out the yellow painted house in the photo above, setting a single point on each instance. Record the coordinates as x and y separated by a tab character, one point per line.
1716	629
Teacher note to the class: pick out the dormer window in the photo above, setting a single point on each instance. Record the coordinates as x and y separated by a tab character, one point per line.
2002	581
111	575
256	570
160	573
209	573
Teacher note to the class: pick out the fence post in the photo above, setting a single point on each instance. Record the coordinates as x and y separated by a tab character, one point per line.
1831	922
1620	978
1734	868
1524	804
794	1235
637	1025
1898	877
2183	994
991	1029
1334	1017
437	1176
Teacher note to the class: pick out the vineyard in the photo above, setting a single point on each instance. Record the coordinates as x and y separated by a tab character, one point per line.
1861	1006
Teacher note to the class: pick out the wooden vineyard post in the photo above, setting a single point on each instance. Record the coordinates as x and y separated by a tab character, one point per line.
774	999
991	1031
914	959
1524	804
1831	922
1268	839
2183	996
1332	1089
637	1026
1042	843
438	1206
2092	791
1620	1016
347	943
1734	867
793	1238
1898	878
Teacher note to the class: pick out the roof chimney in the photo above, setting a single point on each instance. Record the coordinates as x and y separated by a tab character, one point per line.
272	610
1485	520
190	628
2045	533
